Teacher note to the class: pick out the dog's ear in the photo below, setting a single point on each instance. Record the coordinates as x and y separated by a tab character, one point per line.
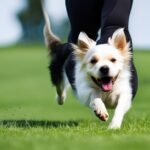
119	41
84	42
83	45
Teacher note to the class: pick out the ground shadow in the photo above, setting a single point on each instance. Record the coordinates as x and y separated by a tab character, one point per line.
38	123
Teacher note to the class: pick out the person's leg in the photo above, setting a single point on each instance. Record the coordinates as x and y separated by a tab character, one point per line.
115	14
84	15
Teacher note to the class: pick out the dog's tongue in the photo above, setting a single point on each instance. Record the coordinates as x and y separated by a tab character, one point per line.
107	86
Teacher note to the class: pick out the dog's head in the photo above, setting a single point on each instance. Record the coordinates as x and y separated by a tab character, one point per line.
103	63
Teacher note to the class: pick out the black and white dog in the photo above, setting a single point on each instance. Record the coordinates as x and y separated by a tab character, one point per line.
100	75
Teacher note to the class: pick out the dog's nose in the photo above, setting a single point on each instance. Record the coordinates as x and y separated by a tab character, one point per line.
104	70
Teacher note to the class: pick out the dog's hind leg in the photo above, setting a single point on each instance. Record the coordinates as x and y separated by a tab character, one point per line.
61	93
59	56
61	89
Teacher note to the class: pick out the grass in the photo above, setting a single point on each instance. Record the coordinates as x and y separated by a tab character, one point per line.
31	119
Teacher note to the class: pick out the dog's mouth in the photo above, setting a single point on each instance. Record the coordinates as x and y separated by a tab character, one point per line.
105	83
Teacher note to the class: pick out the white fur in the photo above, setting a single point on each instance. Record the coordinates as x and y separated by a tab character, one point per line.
120	95
91	95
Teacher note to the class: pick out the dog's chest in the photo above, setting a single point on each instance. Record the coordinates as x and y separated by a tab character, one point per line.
110	99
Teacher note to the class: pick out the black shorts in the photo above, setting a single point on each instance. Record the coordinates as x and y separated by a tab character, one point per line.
91	15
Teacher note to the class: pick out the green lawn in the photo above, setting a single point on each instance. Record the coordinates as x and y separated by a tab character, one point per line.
31	119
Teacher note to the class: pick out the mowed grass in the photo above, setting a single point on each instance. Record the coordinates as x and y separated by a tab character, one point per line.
31	119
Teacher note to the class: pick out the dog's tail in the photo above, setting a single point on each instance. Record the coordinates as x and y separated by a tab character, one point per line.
51	40
58	51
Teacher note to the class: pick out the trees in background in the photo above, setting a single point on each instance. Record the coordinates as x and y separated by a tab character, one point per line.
32	22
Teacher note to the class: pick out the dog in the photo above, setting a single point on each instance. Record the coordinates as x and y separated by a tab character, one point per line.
99	75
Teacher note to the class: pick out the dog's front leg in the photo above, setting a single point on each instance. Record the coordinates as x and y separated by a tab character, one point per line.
124	103
99	108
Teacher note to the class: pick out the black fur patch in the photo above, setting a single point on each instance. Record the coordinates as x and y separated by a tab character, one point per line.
70	70
134	79
60	53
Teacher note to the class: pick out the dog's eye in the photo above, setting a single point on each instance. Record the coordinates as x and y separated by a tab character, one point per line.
93	61
113	60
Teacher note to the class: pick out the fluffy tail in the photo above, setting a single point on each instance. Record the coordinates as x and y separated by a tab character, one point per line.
50	38
59	52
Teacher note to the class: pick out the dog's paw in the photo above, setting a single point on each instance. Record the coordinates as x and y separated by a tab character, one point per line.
114	126
103	115
61	98
99	108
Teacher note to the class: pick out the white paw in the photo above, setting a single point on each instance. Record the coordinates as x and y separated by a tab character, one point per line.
114	126
102	115
61	98
100	110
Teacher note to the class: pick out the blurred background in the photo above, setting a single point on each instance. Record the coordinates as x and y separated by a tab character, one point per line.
29	115
22	21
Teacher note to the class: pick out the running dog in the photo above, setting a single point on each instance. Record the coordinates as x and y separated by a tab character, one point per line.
100	75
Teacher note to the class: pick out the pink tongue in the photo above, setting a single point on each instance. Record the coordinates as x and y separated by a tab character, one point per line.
107	87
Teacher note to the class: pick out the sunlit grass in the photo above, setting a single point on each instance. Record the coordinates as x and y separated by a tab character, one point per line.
31	119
